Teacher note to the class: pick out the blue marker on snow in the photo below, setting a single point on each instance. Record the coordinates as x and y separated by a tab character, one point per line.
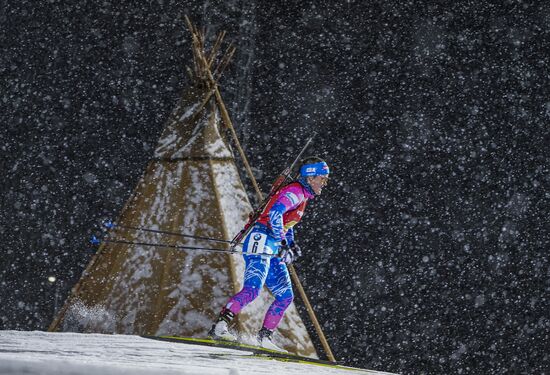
108	224
94	240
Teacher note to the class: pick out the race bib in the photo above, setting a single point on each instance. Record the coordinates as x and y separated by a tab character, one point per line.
256	244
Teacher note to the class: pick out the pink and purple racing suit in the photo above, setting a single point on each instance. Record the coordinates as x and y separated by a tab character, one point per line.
283	211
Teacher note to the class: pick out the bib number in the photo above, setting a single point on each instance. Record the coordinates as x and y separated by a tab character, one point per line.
256	243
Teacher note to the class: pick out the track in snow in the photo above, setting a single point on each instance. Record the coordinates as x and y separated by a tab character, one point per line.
47	353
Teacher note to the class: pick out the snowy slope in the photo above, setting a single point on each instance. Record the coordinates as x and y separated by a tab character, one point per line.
74	353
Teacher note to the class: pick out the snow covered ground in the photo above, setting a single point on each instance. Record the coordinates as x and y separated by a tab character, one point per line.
74	353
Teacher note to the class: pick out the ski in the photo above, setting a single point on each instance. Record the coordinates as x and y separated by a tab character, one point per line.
255	350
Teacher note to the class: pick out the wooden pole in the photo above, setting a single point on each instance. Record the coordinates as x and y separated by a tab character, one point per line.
224	62
311	313
227	120
229	124
294	275
214	50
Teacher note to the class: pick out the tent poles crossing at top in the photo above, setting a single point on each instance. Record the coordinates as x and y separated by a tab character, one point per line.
225	115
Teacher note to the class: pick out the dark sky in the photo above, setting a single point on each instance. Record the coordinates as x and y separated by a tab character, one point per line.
428	251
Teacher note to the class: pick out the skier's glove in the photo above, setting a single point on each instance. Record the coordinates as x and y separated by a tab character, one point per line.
289	253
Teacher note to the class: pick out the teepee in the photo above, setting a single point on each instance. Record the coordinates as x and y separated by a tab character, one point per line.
191	186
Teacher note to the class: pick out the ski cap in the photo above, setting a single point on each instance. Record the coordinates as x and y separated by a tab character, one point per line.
315	169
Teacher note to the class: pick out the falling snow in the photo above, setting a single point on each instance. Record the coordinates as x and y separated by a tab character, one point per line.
428	250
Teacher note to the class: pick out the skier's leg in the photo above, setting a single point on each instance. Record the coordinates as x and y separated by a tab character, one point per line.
278	282
257	267
254	277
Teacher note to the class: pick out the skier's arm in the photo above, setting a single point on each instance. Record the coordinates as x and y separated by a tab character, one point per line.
290	251
286	201
276	220
290	236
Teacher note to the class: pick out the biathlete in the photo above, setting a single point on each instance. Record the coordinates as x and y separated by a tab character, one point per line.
273	234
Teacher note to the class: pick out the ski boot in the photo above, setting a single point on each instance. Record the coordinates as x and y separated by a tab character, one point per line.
265	340
219	330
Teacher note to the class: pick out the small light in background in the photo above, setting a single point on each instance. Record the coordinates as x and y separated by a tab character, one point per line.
51	279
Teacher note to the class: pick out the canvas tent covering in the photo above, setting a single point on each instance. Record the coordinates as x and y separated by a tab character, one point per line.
191	186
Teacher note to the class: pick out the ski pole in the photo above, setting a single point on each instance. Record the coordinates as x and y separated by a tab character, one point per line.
110	225
96	241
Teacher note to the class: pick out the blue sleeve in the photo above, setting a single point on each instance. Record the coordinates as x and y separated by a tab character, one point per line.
276	220
290	236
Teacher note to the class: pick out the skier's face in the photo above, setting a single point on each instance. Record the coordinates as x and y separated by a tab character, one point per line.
317	183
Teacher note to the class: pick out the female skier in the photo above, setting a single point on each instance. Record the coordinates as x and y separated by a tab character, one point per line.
273	234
